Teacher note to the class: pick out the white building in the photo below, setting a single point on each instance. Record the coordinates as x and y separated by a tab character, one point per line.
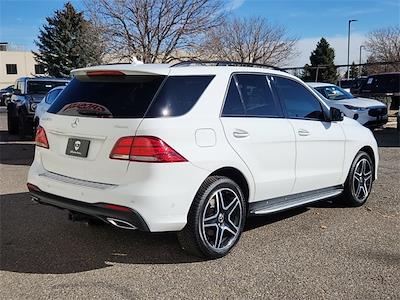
15	63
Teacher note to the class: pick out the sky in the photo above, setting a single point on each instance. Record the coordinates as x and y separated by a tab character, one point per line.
307	20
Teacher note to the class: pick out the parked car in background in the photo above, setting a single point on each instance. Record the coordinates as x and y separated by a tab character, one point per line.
195	148
346	84
385	85
44	105
368	112
28	92
357	84
5	93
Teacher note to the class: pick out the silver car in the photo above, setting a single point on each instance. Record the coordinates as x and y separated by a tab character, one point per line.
45	104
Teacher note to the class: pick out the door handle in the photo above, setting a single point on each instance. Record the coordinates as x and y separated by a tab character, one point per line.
303	132
240	133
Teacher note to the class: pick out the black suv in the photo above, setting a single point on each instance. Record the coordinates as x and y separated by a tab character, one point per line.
382	86
28	92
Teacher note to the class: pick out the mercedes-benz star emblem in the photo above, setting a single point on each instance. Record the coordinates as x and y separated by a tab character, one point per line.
75	123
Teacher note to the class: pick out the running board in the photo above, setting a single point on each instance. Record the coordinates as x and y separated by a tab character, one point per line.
292	201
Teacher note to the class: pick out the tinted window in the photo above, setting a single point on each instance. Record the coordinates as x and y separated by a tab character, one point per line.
39	69
43	87
256	97
178	95
11	68
111	97
52	96
233	104
299	102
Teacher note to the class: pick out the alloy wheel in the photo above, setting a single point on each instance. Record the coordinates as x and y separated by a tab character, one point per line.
221	219
362	179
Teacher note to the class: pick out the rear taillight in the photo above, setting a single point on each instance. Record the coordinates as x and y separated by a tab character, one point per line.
41	138
145	149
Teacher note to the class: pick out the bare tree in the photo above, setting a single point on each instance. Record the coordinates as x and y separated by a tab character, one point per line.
153	30
252	40
384	46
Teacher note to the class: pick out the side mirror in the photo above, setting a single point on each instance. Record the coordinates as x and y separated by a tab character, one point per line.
17	92
336	114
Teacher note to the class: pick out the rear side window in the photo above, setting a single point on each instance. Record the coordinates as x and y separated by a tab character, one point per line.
233	103
251	97
299	102
178	95
107	97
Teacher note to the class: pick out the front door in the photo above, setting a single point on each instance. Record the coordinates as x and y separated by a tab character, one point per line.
320	144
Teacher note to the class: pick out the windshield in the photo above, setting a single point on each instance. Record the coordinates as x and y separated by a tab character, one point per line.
42	87
334	92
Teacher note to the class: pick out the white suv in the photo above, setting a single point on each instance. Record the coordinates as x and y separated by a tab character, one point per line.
195	148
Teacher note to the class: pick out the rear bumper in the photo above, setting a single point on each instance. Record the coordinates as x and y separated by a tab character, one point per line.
95	210
160	194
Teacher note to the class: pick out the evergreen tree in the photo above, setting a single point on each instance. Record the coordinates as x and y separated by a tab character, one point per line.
67	42
324	57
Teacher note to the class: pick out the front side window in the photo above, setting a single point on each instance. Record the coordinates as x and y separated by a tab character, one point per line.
300	103
250	95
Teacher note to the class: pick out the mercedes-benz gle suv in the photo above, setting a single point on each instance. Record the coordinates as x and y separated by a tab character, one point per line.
195	148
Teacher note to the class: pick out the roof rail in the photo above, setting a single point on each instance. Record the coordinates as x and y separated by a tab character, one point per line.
224	63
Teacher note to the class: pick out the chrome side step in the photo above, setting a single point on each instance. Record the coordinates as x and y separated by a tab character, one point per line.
292	201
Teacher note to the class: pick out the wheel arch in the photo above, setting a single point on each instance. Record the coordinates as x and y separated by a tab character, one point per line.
237	176
371	153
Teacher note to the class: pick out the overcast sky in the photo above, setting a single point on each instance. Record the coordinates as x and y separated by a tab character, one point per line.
309	20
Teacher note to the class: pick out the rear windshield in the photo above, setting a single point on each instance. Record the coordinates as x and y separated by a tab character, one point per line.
42	87
130	96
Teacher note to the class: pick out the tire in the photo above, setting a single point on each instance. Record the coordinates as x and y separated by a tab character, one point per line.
358	185
12	121
215	220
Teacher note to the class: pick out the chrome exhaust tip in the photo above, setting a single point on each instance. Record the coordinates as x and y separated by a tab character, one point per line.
121	224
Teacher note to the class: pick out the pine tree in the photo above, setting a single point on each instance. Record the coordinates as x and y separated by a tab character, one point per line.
67	42
323	56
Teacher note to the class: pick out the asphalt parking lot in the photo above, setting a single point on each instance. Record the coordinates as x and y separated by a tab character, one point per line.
325	251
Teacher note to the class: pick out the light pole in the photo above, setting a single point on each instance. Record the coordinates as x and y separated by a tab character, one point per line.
348	48
359	67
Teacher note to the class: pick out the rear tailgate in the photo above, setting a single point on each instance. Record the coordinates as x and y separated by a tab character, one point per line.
86	120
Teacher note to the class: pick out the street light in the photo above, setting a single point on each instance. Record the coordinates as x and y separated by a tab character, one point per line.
359	67
348	48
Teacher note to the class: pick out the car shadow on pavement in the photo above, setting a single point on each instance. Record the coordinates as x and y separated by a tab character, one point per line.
39	239
387	137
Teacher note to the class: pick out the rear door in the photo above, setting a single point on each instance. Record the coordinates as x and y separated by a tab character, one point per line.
86	120
257	130
320	144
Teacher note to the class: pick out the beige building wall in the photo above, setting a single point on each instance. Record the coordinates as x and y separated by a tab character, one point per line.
25	66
